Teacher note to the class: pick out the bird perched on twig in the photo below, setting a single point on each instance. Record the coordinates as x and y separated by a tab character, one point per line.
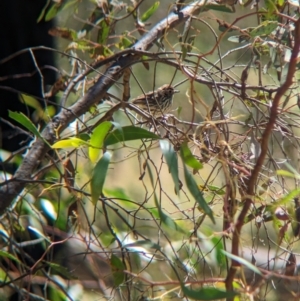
157	102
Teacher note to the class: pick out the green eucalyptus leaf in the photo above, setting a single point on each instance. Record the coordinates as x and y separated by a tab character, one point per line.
146	15
286	199
97	139
117	268
125	43
99	176
107	52
264	29
8	255
288	174
222	8
103	32
188	158
219	247
61	270
128	133
207	293
27	123
197	194
243	261
184	51
171	159
71	142
53	11
42	14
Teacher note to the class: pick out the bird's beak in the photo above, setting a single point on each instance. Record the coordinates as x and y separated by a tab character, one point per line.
176	91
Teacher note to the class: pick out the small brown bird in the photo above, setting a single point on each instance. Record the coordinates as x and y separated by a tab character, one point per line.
156	102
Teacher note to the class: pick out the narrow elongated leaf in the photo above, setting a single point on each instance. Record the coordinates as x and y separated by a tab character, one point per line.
211	188
287	198
184	51
53	11
72	142
197	194
221	259
170	223
188	158
117	267
167	220
27	123
125	43
146	15
30	101
243	261
172	162
58	7
103	32
42	14
84	136
40	112
264	29
61	270
97	139
107	52
10	256
207	293
128	133
222	8
98	177
286	173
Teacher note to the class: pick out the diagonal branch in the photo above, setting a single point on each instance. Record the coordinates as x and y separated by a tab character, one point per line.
13	188
275	110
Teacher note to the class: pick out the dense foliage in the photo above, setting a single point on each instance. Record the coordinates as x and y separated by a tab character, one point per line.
198	203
